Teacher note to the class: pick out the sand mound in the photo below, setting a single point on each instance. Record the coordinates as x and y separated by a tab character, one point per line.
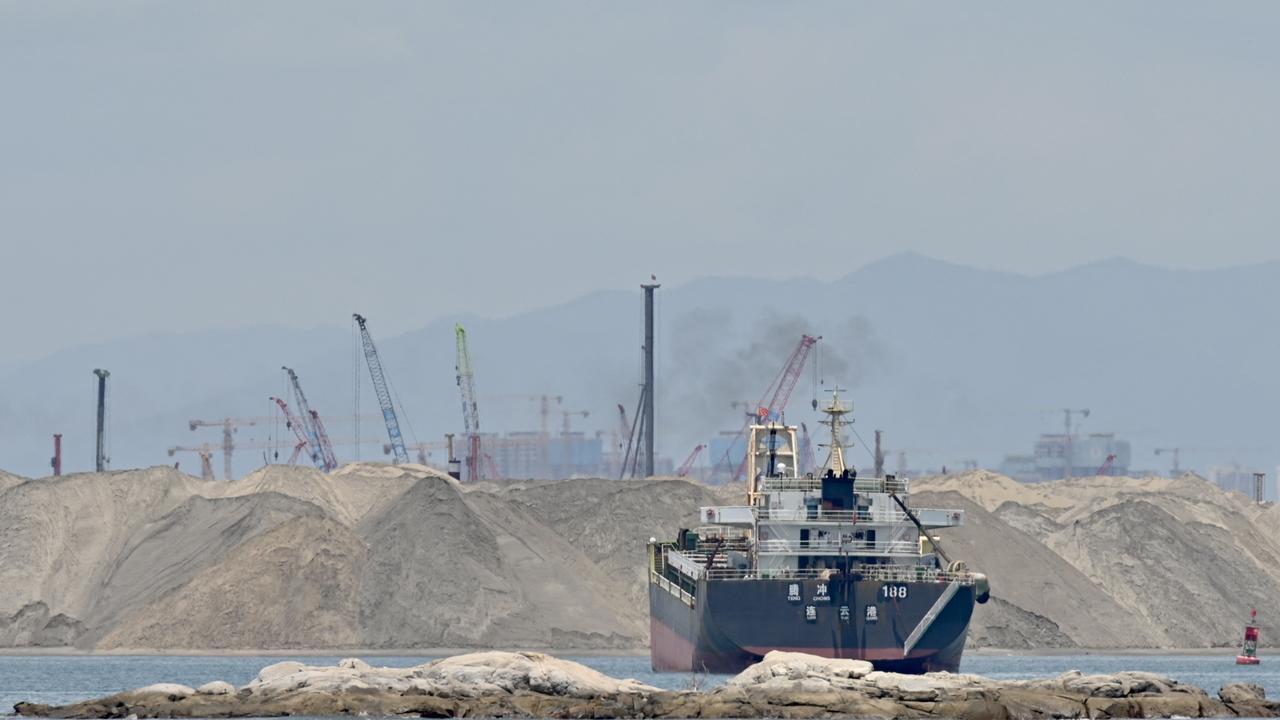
8	480
375	555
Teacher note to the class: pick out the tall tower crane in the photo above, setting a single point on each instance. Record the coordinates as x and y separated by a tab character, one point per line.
206	458
1177	469
774	400
229	427
298	429
470	412
380	387
316	435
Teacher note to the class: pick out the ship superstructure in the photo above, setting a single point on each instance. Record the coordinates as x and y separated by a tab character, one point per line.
827	563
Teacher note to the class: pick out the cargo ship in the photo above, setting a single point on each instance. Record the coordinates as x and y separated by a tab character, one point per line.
828	563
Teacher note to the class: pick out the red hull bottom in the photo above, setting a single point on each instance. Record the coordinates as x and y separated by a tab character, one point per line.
1246	660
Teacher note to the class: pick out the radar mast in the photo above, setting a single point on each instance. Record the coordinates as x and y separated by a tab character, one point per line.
835	413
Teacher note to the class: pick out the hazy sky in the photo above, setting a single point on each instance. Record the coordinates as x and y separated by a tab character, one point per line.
189	165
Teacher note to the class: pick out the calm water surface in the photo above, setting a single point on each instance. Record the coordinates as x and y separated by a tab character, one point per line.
60	680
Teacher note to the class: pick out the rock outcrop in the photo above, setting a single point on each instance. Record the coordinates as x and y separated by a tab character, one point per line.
787	685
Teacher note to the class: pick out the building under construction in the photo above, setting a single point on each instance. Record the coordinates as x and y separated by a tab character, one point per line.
1060	455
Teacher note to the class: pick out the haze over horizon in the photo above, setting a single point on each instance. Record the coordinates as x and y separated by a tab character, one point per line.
182	167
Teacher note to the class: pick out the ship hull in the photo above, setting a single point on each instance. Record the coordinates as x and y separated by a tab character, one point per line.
726	625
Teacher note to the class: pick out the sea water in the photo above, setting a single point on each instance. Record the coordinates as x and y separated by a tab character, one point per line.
62	679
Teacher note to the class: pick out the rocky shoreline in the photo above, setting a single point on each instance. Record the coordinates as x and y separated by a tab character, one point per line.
786	685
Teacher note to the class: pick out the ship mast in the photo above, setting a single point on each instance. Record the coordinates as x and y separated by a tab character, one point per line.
835	413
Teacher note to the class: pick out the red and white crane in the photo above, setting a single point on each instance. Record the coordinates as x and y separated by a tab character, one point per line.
774	400
296	426
687	465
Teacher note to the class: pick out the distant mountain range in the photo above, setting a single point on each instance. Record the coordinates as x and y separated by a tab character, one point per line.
953	363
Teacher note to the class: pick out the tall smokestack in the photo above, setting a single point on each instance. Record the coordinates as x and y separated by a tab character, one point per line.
101	459
648	425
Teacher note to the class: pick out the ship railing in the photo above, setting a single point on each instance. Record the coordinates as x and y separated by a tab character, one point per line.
685	565
672	588
840	516
882	573
898	485
722	533
778	574
835	547
929	516
802	484
912	573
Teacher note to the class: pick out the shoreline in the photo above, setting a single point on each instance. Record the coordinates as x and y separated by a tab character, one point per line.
573	652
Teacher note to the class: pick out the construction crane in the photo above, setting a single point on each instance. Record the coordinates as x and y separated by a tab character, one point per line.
229	427
1177	470
294	424
566	442
774	400
688	462
380	388
470	411
422	449
1068	459
206	458
316	435
631	458
1105	468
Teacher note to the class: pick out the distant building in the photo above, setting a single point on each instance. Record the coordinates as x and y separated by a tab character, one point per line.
1057	455
727	452
533	456
1237	478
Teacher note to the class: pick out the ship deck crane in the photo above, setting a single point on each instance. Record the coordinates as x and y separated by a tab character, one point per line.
380	388
774	400
470	411
314	427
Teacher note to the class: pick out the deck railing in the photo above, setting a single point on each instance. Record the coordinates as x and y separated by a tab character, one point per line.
835	547
838	516
882	573
861	485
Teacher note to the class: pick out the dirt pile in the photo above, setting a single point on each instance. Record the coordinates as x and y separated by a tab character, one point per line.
1113	562
399	557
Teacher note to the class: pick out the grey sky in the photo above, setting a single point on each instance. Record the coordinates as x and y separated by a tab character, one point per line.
192	165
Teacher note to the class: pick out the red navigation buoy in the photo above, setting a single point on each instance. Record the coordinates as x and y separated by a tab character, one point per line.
1249	650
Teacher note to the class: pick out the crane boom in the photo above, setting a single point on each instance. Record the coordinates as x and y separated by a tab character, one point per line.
326	447
687	465
299	429
321	448
380	388
470	411
774	400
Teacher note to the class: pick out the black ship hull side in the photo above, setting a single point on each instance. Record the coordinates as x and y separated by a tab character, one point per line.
733	623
